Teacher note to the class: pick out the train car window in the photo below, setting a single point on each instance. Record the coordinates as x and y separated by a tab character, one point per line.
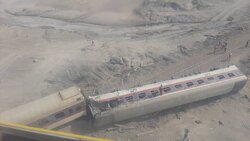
221	77
59	115
189	84
178	86
78	108
70	111
129	98
154	93
114	103
167	89
231	75
104	106
210	78
120	100
142	95
200	81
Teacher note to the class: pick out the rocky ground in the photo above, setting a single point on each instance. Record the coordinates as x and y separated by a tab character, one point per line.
46	46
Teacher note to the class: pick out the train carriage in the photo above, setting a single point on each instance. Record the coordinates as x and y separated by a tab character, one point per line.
167	94
50	111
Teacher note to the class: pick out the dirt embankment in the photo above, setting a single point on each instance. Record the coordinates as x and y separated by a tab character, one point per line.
46	46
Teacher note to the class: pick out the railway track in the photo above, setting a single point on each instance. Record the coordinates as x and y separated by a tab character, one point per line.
207	60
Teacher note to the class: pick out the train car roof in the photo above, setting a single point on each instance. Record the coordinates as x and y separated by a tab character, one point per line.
163	83
41	107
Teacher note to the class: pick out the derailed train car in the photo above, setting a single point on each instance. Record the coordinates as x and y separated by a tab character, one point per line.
64	106
50	111
126	104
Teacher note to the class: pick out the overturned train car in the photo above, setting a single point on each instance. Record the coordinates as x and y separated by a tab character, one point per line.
122	105
62	107
49	112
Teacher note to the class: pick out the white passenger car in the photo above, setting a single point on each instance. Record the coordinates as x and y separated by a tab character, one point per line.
125	104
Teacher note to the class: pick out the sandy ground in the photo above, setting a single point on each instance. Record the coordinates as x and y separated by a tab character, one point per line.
45	46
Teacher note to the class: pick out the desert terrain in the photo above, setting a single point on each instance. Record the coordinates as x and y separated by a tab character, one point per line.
102	46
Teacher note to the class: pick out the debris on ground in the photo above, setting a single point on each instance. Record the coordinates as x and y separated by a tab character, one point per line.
184	50
220	123
116	61
245	97
177	116
197	121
